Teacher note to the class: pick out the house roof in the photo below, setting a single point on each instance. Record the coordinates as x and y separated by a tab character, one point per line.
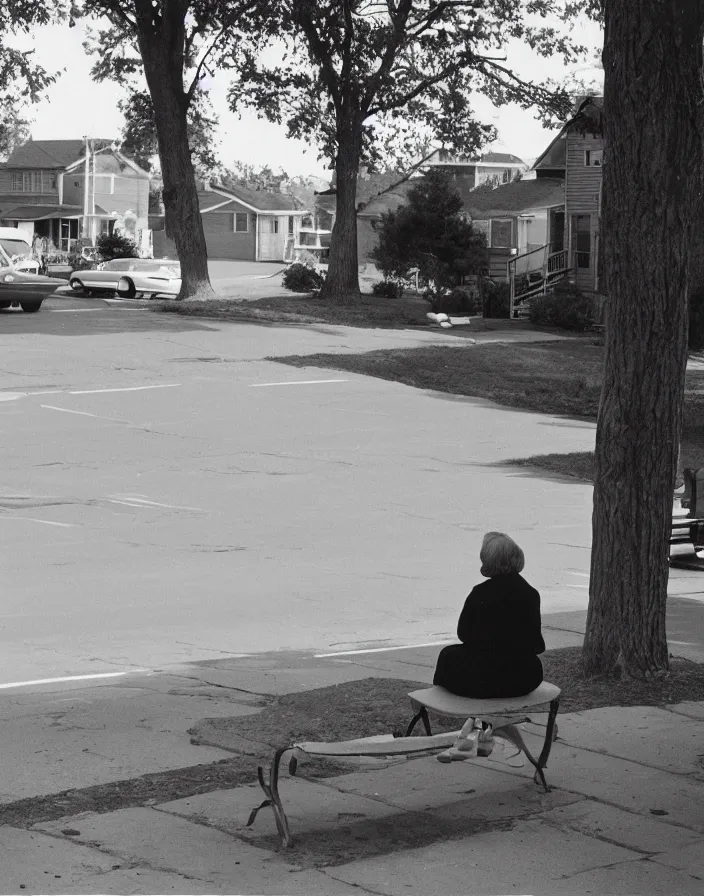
46	154
257	200
587	117
387	202
515	197
43	212
445	157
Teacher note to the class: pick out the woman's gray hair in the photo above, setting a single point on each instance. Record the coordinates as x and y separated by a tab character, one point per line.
500	555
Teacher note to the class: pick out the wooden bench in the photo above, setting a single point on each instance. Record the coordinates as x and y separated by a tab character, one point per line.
436	700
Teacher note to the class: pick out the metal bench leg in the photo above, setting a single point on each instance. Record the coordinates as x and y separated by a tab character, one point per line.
271	792
512	734
550	733
421	714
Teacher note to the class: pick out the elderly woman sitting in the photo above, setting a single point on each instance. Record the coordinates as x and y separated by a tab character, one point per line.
499	630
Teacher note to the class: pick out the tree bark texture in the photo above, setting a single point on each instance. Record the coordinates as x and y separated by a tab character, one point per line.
162	52
653	158
342	281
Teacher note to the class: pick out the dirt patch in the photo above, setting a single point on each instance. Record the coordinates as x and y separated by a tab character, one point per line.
354	709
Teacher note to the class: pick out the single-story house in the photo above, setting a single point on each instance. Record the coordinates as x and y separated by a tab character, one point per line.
241	224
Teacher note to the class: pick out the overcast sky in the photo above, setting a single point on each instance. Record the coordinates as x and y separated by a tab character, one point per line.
76	106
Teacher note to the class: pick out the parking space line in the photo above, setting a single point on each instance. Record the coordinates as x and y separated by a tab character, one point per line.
294	383
320	656
51	407
31	519
26	684
124	389
76	310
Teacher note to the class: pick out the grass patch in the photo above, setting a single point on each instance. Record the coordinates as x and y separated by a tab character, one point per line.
558	377
579	465
371	312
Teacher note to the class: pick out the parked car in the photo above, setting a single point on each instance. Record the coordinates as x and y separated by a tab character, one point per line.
19	250
23	290
146	276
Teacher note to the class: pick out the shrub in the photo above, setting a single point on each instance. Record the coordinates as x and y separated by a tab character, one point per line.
390	289
300	277
565	306
114	245
497	299
458	301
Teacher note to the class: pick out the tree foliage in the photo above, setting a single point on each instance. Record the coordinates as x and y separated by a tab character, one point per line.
372	82
22	78
139	138
431	233
254	177
14	130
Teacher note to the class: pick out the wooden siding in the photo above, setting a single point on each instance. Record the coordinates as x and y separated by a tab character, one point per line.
220	236
27	197
130	194
582	189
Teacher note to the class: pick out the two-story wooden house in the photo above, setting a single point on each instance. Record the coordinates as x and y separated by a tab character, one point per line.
60	191
578	152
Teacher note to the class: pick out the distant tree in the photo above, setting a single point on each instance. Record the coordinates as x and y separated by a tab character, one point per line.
431	233
14	130
254	177
139	137
372	80
174	44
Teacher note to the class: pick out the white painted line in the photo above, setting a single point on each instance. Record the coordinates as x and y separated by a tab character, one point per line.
142	502
124	389
320	656
76	310
50	407
296	383
47	392
27	684
127	504
11	396
31	519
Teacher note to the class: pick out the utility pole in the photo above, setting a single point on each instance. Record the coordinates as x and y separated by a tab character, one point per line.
93	228
85	192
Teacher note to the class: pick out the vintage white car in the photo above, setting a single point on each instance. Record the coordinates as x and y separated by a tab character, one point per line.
16	246
130	277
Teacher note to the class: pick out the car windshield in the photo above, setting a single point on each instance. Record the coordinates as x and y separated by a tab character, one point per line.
16	249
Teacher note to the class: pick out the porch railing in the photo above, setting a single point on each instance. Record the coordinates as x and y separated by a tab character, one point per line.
555	266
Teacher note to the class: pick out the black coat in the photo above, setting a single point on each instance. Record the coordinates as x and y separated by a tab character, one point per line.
499	628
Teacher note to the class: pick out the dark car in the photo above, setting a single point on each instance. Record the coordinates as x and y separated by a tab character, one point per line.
19	289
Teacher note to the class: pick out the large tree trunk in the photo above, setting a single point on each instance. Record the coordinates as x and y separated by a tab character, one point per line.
653	70
162	54
342	282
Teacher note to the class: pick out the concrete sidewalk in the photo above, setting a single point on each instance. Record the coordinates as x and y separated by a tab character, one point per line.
624	815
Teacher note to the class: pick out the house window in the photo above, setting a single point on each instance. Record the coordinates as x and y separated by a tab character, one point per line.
501	233
582	240
593	158
241	222
53	182
275	225
290	225
16	182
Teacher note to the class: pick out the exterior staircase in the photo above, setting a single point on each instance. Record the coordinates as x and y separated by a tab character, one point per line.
532	273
